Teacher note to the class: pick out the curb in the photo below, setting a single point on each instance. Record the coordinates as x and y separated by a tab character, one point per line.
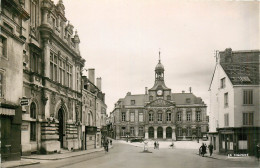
65	156
21	165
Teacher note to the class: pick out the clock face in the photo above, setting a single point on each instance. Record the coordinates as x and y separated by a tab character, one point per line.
159	92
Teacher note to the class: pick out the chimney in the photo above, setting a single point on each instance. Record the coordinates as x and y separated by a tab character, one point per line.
190	89
146	92
99	83
91	75
128	94
183	91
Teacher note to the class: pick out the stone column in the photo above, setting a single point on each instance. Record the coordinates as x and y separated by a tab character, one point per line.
146	133
46	51
173	134
155	132
164	132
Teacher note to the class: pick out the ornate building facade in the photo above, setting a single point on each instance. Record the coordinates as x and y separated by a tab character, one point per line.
159	113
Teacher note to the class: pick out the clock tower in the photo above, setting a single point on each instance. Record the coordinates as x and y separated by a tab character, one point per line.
159	90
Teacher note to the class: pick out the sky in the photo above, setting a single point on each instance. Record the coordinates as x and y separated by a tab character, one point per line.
121	40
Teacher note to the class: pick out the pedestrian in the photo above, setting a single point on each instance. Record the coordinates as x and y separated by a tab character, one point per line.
107	145
258	151
154	144
157	145
203	149
110	141
210	149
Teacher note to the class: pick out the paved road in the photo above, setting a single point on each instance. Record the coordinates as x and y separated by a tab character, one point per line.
127	156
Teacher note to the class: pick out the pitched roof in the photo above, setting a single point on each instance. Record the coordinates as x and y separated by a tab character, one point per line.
242	73
242	67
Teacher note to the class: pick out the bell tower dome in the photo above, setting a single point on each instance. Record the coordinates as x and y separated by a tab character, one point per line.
159	70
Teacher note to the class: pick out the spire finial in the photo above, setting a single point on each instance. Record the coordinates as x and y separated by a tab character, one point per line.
159	55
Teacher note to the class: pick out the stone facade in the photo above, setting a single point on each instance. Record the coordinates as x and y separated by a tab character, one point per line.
159	114
12	40
45	64
234	98
93	111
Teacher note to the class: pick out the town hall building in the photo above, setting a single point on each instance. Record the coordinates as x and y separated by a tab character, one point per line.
159	113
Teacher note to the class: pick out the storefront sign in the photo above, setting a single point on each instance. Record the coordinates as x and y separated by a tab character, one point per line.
24	101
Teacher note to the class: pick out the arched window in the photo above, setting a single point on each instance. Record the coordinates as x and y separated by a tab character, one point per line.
90	119
33	110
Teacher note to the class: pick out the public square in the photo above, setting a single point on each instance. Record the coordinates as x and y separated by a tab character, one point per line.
127	155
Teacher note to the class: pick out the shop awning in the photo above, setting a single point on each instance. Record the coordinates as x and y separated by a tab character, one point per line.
6	111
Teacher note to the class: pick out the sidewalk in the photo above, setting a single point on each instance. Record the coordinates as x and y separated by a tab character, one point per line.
36	159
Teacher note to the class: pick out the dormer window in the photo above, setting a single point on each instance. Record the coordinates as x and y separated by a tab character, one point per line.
132	102
188	100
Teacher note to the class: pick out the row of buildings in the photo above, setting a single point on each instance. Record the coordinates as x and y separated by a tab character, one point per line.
233	124
159	113
234	102
46	104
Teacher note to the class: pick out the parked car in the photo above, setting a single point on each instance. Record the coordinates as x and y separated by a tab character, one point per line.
205	137
137	140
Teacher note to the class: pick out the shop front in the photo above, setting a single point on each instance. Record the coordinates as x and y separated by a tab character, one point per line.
90	137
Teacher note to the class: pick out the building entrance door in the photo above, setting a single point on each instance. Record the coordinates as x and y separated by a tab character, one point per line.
61	126
5	138
151	132
168	133
159	132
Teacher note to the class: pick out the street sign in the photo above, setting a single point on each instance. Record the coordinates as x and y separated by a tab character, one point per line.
24	101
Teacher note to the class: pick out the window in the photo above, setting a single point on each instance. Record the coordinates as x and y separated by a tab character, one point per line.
189	133
123	131
141	131
159	116
226	119
62	71
168	97
223	83
248	97
179	116
132	102
226	100
53	66
132	131
198	116
169	116
141	117
77	76
33	131
188	100
150	116
35	62
33	123
248	118
69	76
188	116
3	47
179	131
1	84
132	116
150	98
33	14
198	132
123	116
33	110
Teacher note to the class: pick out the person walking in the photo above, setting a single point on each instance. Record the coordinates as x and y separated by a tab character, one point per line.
210	149
157	144
258	151
154	144
203	149
107	142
